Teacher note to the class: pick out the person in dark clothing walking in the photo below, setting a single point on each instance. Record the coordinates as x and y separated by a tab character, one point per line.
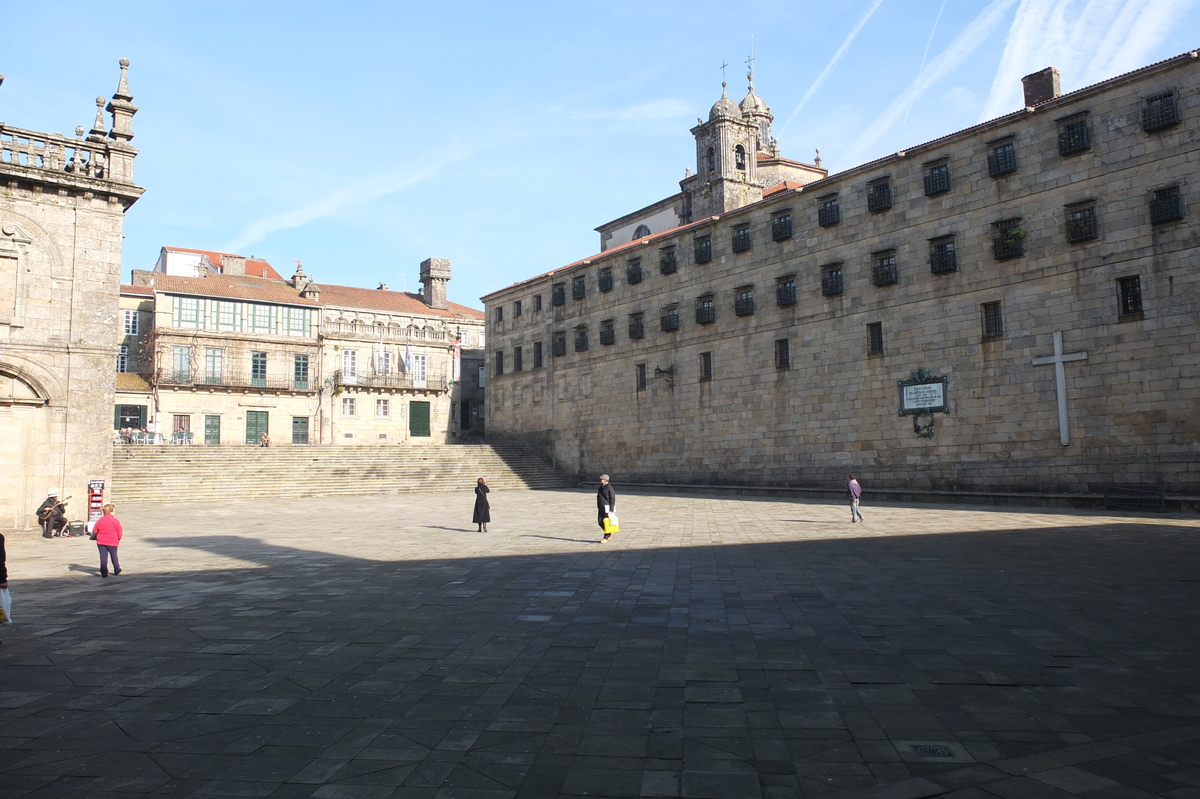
854	490
483	511
606	503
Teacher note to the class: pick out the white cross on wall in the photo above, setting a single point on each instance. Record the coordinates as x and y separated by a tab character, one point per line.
1060	379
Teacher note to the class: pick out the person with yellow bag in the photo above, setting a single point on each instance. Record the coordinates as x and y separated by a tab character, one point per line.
606	505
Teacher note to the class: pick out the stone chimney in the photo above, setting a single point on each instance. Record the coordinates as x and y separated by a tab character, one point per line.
383	287
1041	86
435	274
233	264
300	279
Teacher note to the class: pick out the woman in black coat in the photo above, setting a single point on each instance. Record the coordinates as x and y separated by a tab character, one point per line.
483	511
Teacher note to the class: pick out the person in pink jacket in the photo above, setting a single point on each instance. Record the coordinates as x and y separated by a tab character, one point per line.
108	536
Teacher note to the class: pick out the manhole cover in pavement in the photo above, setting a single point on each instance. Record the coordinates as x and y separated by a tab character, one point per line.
930	750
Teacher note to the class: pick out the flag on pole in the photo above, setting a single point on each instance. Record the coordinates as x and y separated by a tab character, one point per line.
457	358
407	359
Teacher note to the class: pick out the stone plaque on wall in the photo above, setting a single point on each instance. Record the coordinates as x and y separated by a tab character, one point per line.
924	392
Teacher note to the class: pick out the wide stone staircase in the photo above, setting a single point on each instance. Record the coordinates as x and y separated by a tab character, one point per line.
185	473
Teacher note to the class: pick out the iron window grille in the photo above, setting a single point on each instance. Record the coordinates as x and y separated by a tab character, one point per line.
875	338
667	262
884	271
1074	135
1166	205
608	334
499	362
669	319
633	272
783	354
1160	112
831	280
1002	158
785	290
518	360
537	302
1129	295
537	355
937	179
1081	223
1008	239
499	315
578	287
517	308
581	339
706	310
993	322
879	195
705	366
828	213
558	294
781	225
942	256
639	371
637	327
605	280
703	248
558	344
743	301
741	238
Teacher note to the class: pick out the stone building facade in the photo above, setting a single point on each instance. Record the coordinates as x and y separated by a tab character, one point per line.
219	350
1013	306
62	209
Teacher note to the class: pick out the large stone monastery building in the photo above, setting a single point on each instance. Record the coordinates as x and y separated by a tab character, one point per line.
1013	306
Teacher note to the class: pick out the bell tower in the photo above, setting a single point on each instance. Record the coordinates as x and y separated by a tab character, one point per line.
726	165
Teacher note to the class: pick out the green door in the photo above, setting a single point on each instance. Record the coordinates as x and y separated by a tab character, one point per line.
418	419
212	430
299	429
256	426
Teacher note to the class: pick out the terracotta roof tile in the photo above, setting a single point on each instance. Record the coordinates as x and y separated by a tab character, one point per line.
142	290
237	287
254	267
391	301
782	186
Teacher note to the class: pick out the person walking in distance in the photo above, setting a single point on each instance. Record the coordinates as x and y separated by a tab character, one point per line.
606	503
483	511
855	491
108	536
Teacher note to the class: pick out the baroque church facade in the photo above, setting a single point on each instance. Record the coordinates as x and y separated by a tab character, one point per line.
1011	307
62	208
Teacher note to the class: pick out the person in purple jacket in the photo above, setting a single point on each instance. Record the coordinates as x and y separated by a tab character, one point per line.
855	491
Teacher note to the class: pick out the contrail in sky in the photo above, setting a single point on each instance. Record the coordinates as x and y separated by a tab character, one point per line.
925	55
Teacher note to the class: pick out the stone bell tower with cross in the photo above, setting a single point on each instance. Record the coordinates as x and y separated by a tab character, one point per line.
726	158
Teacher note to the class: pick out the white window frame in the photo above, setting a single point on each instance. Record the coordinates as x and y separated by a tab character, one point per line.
384	364
297	321
383	408
350	406
181	361
123	358
226	315
349	363
261	318
189	312
131	323
420	371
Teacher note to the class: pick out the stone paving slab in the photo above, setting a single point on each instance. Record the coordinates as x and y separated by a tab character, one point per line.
717	647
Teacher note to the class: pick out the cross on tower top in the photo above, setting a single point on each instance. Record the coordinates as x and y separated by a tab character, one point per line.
723	65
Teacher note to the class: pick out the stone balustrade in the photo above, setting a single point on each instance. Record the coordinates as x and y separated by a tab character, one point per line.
371	332
53	152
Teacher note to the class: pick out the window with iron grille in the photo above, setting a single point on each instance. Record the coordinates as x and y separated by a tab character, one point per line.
942	257
879	195
499	362
633	272
1166	205
828	213
639	376
1160	112
785	290
1008	239
831	280
1002	157
667	262
781	225
558	294
669	319
558	344
1074	135
518	360
783	354
578	287
537	302
705	366
499	315
875	338
993	322
884	271
937	177
537	355
581	339
637	326
258	368
605	279
706	310
608	333
517	308
703	248
1081	222
1129	295
743	300
741	238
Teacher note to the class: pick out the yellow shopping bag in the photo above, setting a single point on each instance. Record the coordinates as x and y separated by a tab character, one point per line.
610	524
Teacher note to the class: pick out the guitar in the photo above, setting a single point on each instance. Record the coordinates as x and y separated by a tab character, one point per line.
45	513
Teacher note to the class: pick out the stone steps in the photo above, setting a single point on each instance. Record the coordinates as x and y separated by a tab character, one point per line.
172	473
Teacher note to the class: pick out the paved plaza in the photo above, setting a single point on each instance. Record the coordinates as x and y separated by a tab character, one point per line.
717	647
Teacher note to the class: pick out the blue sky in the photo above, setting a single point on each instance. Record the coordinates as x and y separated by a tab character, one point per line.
365	137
